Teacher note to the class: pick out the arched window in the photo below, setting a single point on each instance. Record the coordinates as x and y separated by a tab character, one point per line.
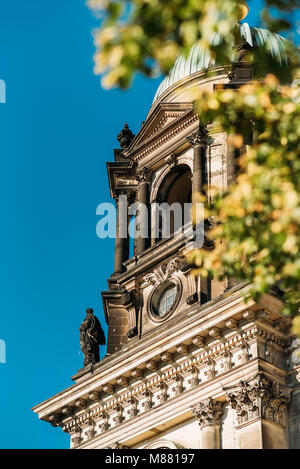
174	192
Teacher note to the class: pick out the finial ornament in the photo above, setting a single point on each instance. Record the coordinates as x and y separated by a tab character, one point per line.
243	10
125	137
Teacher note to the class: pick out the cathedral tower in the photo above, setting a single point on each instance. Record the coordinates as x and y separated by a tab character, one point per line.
188	364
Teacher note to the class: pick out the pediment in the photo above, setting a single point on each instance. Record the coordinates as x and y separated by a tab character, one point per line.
162	117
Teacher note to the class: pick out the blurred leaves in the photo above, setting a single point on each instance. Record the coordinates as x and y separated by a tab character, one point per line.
258	232
148	35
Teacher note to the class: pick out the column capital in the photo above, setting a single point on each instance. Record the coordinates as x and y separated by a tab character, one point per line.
144	175
259	398
200	137
208	412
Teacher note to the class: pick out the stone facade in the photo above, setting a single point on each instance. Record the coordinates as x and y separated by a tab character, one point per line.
214	372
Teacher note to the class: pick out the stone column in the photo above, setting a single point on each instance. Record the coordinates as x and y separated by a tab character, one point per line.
143	223
122	238
232	163
209	414
199	142
261	413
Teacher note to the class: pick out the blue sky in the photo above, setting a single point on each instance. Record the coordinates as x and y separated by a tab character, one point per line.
57	130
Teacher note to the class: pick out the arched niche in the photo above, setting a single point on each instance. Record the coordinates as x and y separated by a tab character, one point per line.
161	444
173	188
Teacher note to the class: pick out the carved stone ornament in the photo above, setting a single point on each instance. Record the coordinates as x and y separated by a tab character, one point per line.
163	395
104	426
178	388
226	363
244	355
171	160
210	373
194	380
200	137
76	440
133	410
162	273
259	398
144	175
118	419
147	404
208	412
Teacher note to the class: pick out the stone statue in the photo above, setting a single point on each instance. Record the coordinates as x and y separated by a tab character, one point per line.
91	336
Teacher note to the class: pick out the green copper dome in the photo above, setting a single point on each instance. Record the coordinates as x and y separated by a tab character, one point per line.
199	59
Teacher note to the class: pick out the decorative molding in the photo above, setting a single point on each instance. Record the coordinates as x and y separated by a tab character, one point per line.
141	396
165	120
151	365
137	373
214	332
94	396
80	403
182	349
165	138
198	341
167	357
161	274
231	324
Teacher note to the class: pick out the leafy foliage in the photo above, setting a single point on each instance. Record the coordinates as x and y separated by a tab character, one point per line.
257	232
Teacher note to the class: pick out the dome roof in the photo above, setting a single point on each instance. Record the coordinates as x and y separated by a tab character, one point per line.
199	59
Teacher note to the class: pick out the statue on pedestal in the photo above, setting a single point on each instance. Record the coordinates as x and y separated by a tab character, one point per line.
91	336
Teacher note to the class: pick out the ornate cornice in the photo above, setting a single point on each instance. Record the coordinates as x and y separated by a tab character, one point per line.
158	389
160	140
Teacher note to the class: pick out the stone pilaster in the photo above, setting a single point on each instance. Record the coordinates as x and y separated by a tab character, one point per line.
261	413
208	414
